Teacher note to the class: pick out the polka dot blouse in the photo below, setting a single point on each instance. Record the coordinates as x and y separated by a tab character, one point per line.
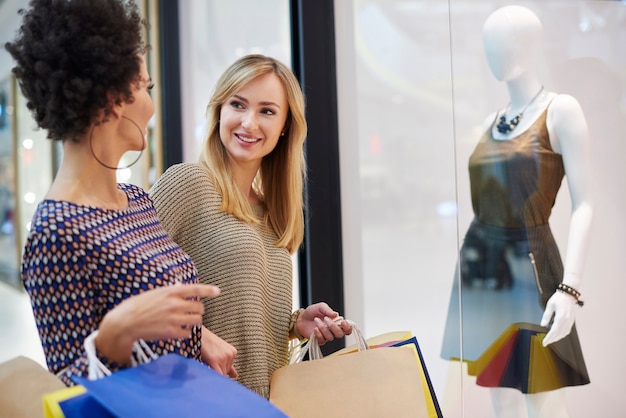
81	261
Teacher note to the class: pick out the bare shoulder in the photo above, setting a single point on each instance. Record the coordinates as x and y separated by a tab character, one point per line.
566	122
489	120
563	107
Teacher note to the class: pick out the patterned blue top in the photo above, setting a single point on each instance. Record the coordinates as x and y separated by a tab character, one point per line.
81	261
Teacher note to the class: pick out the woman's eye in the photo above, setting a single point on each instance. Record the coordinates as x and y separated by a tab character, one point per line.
150	86
267	112
237	105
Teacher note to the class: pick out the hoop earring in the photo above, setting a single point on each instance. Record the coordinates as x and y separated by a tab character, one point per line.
118	168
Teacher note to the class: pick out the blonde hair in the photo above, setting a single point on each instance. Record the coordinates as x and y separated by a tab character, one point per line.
279	182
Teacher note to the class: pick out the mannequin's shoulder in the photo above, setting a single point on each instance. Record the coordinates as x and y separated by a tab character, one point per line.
489	120
563	106
566	123
565	112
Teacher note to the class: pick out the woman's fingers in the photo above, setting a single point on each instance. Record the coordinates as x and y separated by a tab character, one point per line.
328	329
340	327
324	328
218	354
170	311
196	290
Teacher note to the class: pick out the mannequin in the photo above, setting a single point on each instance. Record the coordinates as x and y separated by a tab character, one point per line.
515	173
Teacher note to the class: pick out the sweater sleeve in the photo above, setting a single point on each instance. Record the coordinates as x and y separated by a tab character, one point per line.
177	197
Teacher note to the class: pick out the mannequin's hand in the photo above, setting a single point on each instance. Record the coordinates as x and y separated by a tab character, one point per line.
218	354
320	319
563	307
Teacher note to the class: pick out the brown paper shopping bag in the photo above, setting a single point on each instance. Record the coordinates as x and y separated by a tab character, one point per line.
23	383
385	382
396	339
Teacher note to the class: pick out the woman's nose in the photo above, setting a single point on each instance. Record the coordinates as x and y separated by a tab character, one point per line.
248	122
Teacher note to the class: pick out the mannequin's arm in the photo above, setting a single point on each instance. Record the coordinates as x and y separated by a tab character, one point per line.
570	137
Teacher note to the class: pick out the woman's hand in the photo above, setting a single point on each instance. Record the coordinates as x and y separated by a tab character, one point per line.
563	307
218	354
321	320
161	313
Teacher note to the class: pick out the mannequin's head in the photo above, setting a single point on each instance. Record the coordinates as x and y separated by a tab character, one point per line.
512	41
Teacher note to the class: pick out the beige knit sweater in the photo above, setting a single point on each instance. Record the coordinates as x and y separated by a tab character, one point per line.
255	305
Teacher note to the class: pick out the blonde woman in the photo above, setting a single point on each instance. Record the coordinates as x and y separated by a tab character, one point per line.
238	213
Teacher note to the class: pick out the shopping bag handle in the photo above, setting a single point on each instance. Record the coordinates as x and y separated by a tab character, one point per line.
312	346
96	369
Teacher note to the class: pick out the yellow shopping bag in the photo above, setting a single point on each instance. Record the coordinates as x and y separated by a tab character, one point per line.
51	408
518	359
544	375
382	340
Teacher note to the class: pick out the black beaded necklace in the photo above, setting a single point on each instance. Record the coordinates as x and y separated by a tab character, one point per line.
504	127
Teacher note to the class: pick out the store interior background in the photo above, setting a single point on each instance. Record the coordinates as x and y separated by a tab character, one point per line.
414	89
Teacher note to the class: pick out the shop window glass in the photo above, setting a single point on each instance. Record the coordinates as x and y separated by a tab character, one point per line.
414	92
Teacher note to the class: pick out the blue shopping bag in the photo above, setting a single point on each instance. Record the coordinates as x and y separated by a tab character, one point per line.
170	386
83	405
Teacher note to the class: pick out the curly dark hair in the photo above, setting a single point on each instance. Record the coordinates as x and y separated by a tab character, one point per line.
75	60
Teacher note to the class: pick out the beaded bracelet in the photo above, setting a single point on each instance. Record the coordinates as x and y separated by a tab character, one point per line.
562	287
293	329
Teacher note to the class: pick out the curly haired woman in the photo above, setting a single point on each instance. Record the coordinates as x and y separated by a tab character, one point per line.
97	260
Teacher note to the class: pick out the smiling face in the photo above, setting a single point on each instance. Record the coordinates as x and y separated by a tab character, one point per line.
252	120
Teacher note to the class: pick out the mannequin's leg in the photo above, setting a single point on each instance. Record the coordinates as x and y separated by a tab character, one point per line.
552	404
508	403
